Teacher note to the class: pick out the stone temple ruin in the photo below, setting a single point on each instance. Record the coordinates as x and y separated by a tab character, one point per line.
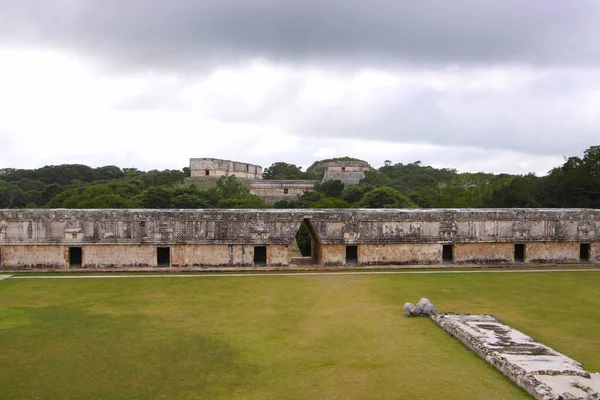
205	171
60	238
214	167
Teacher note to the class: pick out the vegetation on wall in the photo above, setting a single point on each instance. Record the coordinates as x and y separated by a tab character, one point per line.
576	183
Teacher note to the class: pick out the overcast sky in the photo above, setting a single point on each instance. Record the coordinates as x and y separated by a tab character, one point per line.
478	85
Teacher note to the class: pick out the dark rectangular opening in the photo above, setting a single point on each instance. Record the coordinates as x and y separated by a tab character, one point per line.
163	256
260	255
343	169
448	254
519	252
285	191
584	252
75	256
206	172
351	255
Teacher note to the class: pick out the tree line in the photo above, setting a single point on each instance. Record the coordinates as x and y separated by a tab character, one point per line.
576	183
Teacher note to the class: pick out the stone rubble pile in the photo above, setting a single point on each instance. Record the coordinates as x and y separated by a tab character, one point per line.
424	308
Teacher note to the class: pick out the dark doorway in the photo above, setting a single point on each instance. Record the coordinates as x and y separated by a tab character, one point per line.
260	255
448	254
519	252
163	256
75	256
584	252
351	255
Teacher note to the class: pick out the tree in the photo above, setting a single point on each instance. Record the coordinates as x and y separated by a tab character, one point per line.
108	200
229	186
188	200
354	193
330	188
331	202
155	197
285	204
375	178
386	197
30	184
108	172
307	199
11	195
244	201
282	170
304	241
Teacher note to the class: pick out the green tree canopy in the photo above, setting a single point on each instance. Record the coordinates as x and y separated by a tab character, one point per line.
331	202
283	170
386	197
330	188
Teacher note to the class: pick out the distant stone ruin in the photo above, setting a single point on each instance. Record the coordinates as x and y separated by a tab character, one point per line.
205	171
214	167
348	172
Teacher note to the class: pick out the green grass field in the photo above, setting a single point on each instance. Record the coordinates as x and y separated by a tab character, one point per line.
277	337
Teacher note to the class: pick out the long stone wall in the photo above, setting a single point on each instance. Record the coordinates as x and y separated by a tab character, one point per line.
132	238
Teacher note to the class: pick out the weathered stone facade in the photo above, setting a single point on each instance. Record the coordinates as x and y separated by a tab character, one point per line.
214	167
35	238
272	191
349	172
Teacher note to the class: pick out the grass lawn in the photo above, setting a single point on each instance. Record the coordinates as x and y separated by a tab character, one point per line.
277	337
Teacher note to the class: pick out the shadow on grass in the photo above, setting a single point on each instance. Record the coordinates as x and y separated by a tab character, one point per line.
63	352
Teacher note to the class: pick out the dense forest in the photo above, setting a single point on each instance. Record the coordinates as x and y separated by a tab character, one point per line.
576	183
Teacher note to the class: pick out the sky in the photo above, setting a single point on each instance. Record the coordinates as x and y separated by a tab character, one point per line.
503	86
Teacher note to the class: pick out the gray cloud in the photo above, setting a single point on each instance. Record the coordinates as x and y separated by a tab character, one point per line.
550	113
188	34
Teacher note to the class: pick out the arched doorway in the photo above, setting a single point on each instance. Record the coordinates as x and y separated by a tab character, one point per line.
307	242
